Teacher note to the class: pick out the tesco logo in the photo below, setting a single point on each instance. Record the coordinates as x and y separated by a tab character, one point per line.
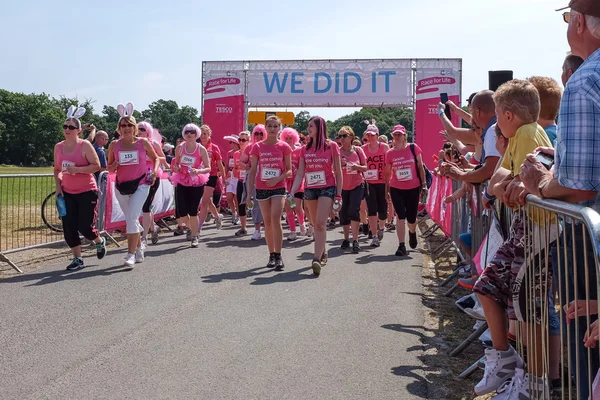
224	110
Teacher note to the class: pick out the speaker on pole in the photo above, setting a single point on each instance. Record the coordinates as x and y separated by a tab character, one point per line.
497	78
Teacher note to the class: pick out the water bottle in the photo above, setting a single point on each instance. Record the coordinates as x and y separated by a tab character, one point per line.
149	176
290	198
61	206
337	204
250	204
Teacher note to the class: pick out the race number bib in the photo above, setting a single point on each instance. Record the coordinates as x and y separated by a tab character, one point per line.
66	164
404	174
231	163
190	161
129	157
315	178
371	174
242	175
349	170
268	173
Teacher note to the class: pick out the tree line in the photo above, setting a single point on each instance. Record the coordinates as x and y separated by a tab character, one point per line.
31	124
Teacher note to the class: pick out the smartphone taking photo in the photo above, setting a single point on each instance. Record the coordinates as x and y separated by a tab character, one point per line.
546	159
444	100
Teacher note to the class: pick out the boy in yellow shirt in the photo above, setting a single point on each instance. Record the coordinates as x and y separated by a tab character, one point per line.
517	108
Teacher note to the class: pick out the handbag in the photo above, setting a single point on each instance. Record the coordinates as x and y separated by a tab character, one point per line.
129	187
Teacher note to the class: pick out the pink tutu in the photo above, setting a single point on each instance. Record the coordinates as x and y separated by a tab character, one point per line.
184	178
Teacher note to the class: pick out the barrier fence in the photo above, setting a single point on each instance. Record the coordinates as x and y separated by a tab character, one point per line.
561	265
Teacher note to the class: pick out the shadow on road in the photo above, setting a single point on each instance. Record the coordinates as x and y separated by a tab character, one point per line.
285	277
235	275
45	278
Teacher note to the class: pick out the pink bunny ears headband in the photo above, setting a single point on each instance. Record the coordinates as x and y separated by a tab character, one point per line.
125	111
75	114
371	127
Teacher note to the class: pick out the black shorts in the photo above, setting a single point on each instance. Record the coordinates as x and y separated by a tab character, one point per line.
151	194
406	203
376	201
188	199
266	194
299	195
212	181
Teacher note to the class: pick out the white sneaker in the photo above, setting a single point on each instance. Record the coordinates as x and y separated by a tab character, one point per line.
302	230
310	231
139	254
475	312
129	260
144	242
195	241
256	235
292	236
500	367
219	221
518	388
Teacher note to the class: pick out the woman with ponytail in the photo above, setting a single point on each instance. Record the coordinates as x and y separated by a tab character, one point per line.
290	136
321	169
216	168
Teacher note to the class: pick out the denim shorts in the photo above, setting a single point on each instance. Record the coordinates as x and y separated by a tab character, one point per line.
314	194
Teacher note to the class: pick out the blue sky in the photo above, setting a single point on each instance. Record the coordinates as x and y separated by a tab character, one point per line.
141	51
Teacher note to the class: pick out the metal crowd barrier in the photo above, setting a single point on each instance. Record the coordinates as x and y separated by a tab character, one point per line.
28	215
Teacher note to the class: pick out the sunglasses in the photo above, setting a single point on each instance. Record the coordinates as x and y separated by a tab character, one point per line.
192	132
258	134
365	140
566	16
342	136
126	126
142	129
243	140
70	127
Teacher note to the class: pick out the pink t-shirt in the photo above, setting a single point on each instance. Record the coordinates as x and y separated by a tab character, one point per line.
214	153
132	163
296	154
75	183
271	163
352	177
236	166
404	170
375	164
318	170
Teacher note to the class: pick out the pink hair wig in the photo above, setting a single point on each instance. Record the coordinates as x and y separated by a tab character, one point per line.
190	127
149	130
290	132
259	128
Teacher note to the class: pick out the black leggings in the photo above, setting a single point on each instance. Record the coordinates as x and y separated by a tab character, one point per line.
376	201
406	203
82	210
188	200
239	195
351	200
151	193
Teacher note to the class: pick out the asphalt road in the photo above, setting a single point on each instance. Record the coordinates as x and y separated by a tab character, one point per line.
213	323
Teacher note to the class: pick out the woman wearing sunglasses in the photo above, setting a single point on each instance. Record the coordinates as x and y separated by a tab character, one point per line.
290	136
353	162
403	177
75	162
270	167
240	175
231	180
191	167
322	173
127	157
216	168
258	134
147	132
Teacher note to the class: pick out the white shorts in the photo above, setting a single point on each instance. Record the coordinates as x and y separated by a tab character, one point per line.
232	187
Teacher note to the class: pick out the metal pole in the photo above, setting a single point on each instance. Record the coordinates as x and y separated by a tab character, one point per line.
414	99
202	93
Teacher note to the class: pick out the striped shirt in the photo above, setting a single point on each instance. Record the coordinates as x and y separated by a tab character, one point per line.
577	158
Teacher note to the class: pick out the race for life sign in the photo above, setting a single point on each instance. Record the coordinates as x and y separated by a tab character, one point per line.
330	83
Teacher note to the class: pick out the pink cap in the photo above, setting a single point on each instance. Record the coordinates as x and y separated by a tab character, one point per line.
399	128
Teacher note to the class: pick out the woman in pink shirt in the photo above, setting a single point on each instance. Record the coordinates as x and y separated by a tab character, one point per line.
353	166
291	137
321	170
231	180
405	182
240	175
216	168
259	133
127	157
75	162
270	166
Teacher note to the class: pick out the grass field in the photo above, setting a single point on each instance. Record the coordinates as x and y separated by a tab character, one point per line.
11	169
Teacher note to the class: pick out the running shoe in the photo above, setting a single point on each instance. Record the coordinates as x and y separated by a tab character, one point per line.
236	221
278	262
241	232
401	251
375	242
331	223
194	242
139	254
522	386
380	234
316	267
271	263
292	236
256	235
144	241
345	245
355	247
219	221
500	367
188	235
310	231
129	260
76	264
302	230
468	283
412	240
155	233
365	229
179	231
324	258
101	248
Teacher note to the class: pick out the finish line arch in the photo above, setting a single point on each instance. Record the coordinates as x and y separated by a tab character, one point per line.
229	88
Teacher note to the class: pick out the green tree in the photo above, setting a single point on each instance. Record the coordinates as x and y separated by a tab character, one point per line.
301	121
168	118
